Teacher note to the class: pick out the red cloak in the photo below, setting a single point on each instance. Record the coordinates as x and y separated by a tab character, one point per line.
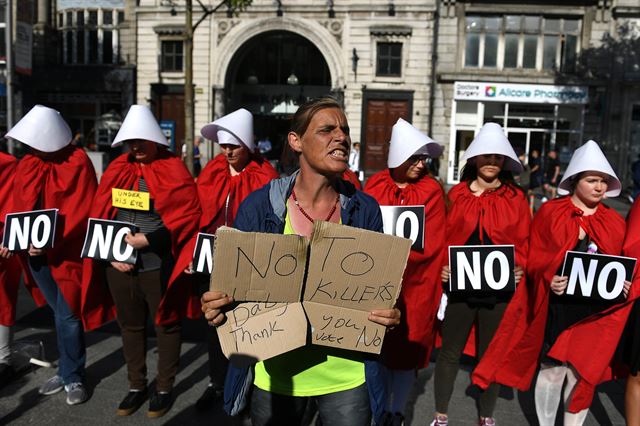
215	184
513	357
176	200
9	268
502	215
351	176
409	345
67	182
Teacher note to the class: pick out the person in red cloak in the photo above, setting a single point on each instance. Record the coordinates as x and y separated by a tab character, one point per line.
407	183
156	282
544	327
485	208
630	341
9	271
223	184
55	174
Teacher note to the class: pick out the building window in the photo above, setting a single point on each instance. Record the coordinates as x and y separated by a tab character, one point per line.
389	59
3	26
89	36
521	42
172	55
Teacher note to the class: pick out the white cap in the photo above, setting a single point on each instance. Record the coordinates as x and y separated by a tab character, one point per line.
406	141
43	129
491	140
140	124
235	129
589	157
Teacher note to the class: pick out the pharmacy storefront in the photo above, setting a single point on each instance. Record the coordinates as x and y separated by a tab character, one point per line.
534	116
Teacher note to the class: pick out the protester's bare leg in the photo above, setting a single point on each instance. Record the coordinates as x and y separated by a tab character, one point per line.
632	400
548	392
572	419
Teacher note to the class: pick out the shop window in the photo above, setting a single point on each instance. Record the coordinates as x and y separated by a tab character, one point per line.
93	47
107	47
3	48
107	17
389	59
93	17
171	55
88	39
522	42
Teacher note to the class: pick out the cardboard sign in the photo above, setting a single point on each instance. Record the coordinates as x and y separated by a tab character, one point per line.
37	228
262	330
405	222
268	271
203	253
105	241
257	267
596	276
128	199
351	272
482	268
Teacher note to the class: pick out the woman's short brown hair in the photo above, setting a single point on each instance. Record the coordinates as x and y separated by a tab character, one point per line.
306	111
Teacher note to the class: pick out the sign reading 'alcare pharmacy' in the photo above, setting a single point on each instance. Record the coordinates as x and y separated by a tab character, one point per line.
527	93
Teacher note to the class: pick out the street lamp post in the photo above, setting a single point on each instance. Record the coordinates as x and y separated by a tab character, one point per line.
189	121
9	71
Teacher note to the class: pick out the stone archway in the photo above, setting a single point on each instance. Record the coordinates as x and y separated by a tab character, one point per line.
237	36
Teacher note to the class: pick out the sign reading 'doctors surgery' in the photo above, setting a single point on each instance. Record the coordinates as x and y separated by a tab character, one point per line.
405	222
596	276
351	272
526	93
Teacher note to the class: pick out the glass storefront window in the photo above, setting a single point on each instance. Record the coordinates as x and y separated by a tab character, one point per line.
494	113
466	113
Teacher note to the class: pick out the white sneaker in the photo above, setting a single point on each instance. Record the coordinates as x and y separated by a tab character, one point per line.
76	393
51	386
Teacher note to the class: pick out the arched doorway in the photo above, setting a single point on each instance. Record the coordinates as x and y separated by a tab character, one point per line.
271	75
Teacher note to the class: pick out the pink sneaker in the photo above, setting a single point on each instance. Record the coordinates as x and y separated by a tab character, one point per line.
487	421
440	421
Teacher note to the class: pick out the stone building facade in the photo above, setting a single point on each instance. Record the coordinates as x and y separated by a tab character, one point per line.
375	56
553	73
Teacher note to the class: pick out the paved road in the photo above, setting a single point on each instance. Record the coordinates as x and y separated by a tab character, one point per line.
20	403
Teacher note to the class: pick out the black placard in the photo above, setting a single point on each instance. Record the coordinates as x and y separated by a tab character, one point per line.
203	253
405	222
37	227
484	269
105	241
596	276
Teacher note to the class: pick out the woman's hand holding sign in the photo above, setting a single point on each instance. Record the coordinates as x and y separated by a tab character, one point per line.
387	317
137	241
5	253
518	273
559	284
213	303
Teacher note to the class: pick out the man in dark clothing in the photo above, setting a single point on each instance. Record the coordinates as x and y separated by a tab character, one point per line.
551	174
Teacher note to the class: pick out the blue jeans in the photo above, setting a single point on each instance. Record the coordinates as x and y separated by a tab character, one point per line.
346	408
69	331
